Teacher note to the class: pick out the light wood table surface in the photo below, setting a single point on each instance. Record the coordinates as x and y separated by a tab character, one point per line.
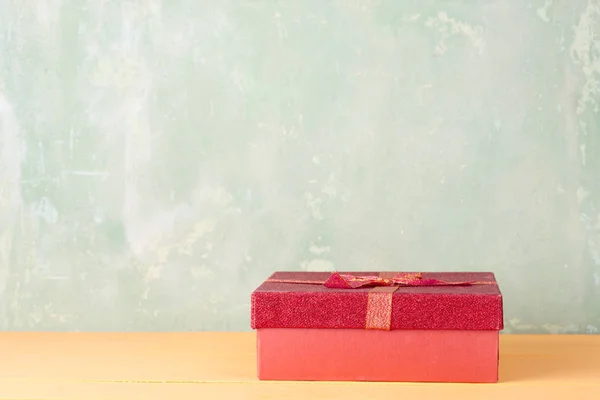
223	366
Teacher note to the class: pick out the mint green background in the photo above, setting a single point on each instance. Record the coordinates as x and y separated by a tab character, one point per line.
158	159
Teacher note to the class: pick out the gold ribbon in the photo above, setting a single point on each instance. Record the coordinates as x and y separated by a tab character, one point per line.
379	305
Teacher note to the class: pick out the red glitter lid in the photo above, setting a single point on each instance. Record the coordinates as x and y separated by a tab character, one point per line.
309	305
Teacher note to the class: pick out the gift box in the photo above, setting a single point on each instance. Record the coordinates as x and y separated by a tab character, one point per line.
387	326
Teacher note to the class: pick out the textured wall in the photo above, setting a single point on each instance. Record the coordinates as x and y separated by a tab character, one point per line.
158	159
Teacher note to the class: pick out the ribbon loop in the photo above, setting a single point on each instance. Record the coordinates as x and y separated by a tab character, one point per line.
348	281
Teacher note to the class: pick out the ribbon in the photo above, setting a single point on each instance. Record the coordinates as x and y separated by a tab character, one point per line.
379	298
347	281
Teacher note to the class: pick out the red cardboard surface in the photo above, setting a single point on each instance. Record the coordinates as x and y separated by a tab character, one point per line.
373	355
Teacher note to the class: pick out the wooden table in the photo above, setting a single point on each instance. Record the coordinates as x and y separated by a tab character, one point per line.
222	366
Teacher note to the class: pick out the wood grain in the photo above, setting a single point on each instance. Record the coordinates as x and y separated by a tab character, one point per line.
222	365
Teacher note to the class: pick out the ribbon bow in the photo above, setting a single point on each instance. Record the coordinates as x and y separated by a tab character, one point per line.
347	281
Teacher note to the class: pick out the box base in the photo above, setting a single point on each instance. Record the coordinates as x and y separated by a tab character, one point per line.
372	355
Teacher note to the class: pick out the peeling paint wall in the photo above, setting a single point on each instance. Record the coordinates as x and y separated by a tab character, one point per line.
159	159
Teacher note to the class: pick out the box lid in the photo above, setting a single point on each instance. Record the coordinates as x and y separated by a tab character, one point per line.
300	300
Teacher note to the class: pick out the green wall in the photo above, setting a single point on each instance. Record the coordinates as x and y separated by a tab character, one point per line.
158	159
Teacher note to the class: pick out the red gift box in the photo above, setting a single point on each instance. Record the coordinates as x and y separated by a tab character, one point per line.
387	326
